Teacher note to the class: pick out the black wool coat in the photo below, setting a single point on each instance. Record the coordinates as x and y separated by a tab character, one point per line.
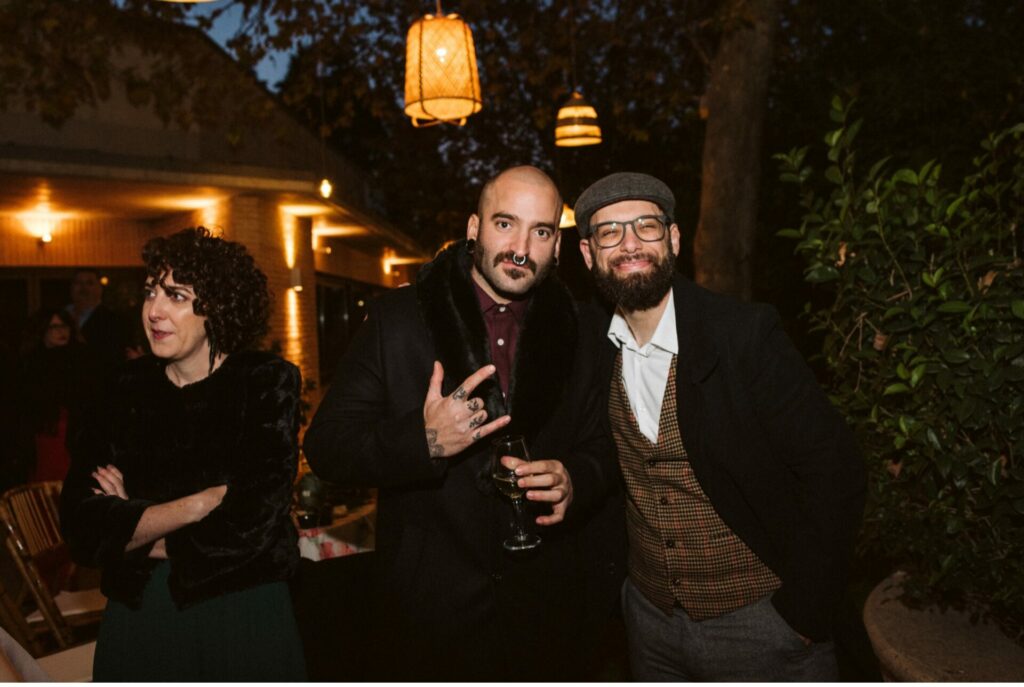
776	460
237	427
449	591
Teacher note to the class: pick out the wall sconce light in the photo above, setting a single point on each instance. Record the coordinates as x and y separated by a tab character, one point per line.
568	218
390	260
41	221
295	281
326	189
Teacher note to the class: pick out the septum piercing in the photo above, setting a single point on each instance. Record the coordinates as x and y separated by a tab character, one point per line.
519	260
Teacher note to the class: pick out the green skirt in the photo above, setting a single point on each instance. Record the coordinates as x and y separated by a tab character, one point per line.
248	635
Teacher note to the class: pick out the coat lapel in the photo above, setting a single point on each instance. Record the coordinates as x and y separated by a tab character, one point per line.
696	360
544	353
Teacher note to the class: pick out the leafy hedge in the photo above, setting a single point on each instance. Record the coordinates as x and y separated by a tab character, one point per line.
924	338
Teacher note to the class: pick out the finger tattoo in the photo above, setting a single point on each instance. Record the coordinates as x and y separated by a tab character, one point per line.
475	422
474	404
476	436
436	450
459	394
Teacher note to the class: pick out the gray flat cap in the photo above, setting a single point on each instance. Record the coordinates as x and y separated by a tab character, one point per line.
621	186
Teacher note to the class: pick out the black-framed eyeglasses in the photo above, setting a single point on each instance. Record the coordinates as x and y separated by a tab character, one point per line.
647	228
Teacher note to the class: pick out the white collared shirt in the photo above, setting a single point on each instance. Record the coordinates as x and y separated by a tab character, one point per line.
645	368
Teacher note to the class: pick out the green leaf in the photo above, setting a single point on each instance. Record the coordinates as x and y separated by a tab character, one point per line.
877	167
954	307
822	273
994	471
905	424
1017	308
837	113
834	175
789	233
956	356
954	206
907	176
917	374
895	389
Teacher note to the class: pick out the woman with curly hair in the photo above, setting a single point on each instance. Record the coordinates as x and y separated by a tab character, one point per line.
180	487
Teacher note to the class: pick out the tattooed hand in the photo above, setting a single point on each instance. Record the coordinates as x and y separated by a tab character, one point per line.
456	421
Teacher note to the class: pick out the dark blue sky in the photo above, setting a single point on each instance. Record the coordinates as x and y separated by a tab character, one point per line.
272	69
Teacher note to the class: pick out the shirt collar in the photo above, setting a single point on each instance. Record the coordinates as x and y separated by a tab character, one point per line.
517	307
665	336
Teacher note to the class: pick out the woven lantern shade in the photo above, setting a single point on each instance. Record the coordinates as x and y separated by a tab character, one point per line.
577	123
441	79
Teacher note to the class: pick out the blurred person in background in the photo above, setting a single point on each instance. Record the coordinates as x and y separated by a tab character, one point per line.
100	326
57	377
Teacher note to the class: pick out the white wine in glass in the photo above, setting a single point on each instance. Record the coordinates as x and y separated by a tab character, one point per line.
507	483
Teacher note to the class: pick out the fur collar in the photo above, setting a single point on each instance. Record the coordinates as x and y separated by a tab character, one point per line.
544	354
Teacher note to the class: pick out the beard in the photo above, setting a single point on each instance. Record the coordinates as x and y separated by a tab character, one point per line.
638	291
488	267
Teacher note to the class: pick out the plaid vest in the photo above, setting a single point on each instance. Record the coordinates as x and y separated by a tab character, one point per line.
681	553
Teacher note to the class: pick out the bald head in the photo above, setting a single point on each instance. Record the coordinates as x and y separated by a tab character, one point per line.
525	174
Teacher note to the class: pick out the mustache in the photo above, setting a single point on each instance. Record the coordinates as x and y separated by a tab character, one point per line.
508	255
632	257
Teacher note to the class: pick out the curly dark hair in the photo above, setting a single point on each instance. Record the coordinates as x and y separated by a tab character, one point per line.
231	291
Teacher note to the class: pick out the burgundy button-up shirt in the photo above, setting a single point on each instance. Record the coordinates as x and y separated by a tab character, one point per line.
503	321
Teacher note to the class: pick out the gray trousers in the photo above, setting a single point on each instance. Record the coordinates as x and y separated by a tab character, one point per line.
750	644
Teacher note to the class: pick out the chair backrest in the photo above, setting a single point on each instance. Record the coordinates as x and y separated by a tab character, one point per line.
29	514
34	509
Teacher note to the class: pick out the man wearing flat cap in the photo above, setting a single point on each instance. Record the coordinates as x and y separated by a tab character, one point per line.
745	487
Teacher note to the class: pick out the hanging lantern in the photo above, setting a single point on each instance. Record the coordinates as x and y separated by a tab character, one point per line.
441	80
577	123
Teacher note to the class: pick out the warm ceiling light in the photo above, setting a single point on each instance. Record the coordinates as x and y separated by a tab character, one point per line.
568	218
326	189
577	123
339	230
304	209
441	79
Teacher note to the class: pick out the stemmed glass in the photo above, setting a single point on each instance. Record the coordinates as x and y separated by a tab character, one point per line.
506	481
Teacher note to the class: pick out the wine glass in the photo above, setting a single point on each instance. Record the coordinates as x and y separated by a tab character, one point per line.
506	481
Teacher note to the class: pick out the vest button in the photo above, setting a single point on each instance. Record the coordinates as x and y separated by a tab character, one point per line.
676	581
651	463
496	577
663	500
669	543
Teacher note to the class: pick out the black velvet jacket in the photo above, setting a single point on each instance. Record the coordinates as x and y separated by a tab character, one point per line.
236	427
447	583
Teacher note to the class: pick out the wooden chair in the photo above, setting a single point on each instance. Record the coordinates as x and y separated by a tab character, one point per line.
29	515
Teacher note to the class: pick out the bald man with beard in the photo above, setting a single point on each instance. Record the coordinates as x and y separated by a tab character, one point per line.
486	343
